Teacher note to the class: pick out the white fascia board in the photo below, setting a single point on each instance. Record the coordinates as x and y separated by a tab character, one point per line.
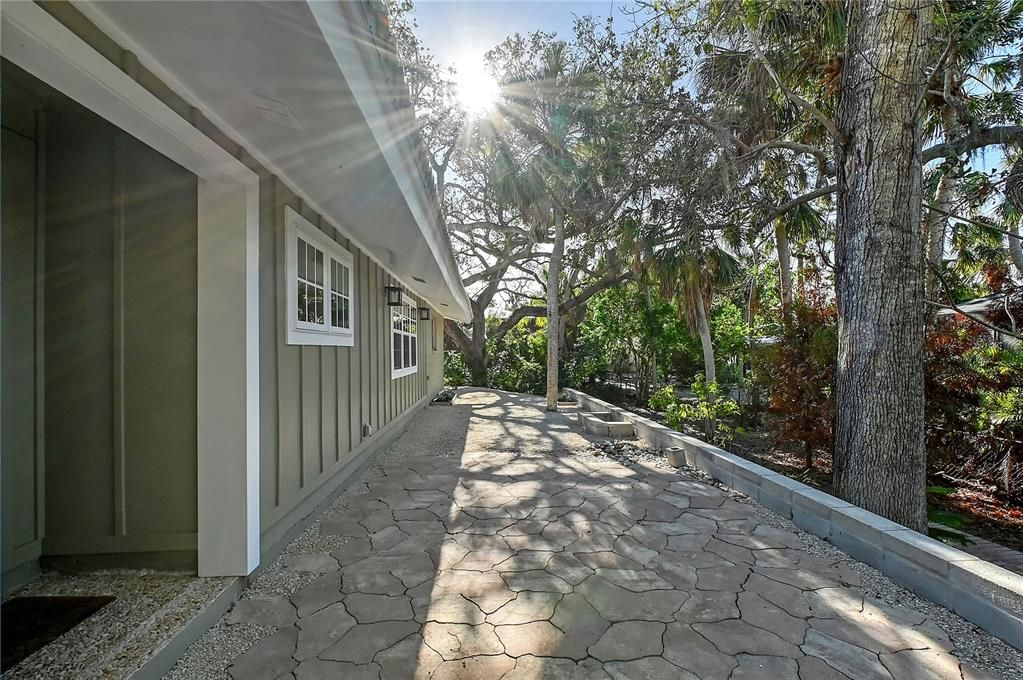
353	57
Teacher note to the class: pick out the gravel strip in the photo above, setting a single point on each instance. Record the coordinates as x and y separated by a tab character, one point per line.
149	609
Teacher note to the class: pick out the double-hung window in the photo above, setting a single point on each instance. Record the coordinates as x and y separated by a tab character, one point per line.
320	296
404	340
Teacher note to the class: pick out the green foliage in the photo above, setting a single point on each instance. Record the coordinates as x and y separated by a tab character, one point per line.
519	363
456	370
710	409
942	490
731	340
663	399
974	389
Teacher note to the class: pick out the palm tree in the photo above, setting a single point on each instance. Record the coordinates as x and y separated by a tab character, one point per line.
544	103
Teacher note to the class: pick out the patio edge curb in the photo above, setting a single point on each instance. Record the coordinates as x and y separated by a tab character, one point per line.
983	593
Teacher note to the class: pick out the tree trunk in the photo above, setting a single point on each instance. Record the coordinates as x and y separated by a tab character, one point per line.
1014	192
553	320
706	340
707	343
781	240
749	374
880	454
937	222
1015	248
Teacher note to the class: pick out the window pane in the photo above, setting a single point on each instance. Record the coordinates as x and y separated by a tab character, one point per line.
334	283
344	313
319	268
335	310
344	284
301	258
397	350
415	352
301	301
319	305
407	353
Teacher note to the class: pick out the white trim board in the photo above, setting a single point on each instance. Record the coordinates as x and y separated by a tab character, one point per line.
228	275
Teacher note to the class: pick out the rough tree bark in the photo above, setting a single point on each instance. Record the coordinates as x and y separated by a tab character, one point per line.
937	224
880	455
781	240
1014	192
553	321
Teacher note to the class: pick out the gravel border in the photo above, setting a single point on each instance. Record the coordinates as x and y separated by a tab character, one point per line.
149	609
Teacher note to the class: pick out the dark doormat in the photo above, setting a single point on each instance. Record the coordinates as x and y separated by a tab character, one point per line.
30	623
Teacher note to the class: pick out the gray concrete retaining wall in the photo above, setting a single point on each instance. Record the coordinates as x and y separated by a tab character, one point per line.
981	592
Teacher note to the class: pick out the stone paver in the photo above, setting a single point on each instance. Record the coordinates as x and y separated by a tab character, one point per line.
520	556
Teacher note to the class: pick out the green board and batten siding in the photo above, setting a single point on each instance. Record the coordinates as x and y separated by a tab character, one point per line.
133	488
99	336
315	400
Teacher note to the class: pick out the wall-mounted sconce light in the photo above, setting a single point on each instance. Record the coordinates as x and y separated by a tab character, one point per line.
424	313
393	296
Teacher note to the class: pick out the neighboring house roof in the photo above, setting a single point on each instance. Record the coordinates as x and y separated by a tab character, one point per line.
977	306
313	91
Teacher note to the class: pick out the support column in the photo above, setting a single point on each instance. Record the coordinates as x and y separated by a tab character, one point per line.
228	381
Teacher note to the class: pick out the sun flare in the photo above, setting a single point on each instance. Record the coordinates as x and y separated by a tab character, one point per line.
475	88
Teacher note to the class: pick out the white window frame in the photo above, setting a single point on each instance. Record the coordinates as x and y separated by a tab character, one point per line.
306	332
406	311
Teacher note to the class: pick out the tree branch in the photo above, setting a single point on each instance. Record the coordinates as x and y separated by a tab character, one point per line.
816	113
456	333
533	311
1004	134
485	274
986	225
795	202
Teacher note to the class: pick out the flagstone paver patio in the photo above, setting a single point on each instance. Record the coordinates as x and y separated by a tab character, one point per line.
507	555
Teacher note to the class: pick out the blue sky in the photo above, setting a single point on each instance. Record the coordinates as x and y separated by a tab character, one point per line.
463	30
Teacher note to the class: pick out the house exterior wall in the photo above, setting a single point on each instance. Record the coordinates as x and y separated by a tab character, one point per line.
99	358
314	401
22	462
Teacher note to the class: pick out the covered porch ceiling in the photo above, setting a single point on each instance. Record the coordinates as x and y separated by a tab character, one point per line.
300	86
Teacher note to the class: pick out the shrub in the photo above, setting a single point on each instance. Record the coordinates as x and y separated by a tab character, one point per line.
974	407
456	370
663	399
798	373
709	410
